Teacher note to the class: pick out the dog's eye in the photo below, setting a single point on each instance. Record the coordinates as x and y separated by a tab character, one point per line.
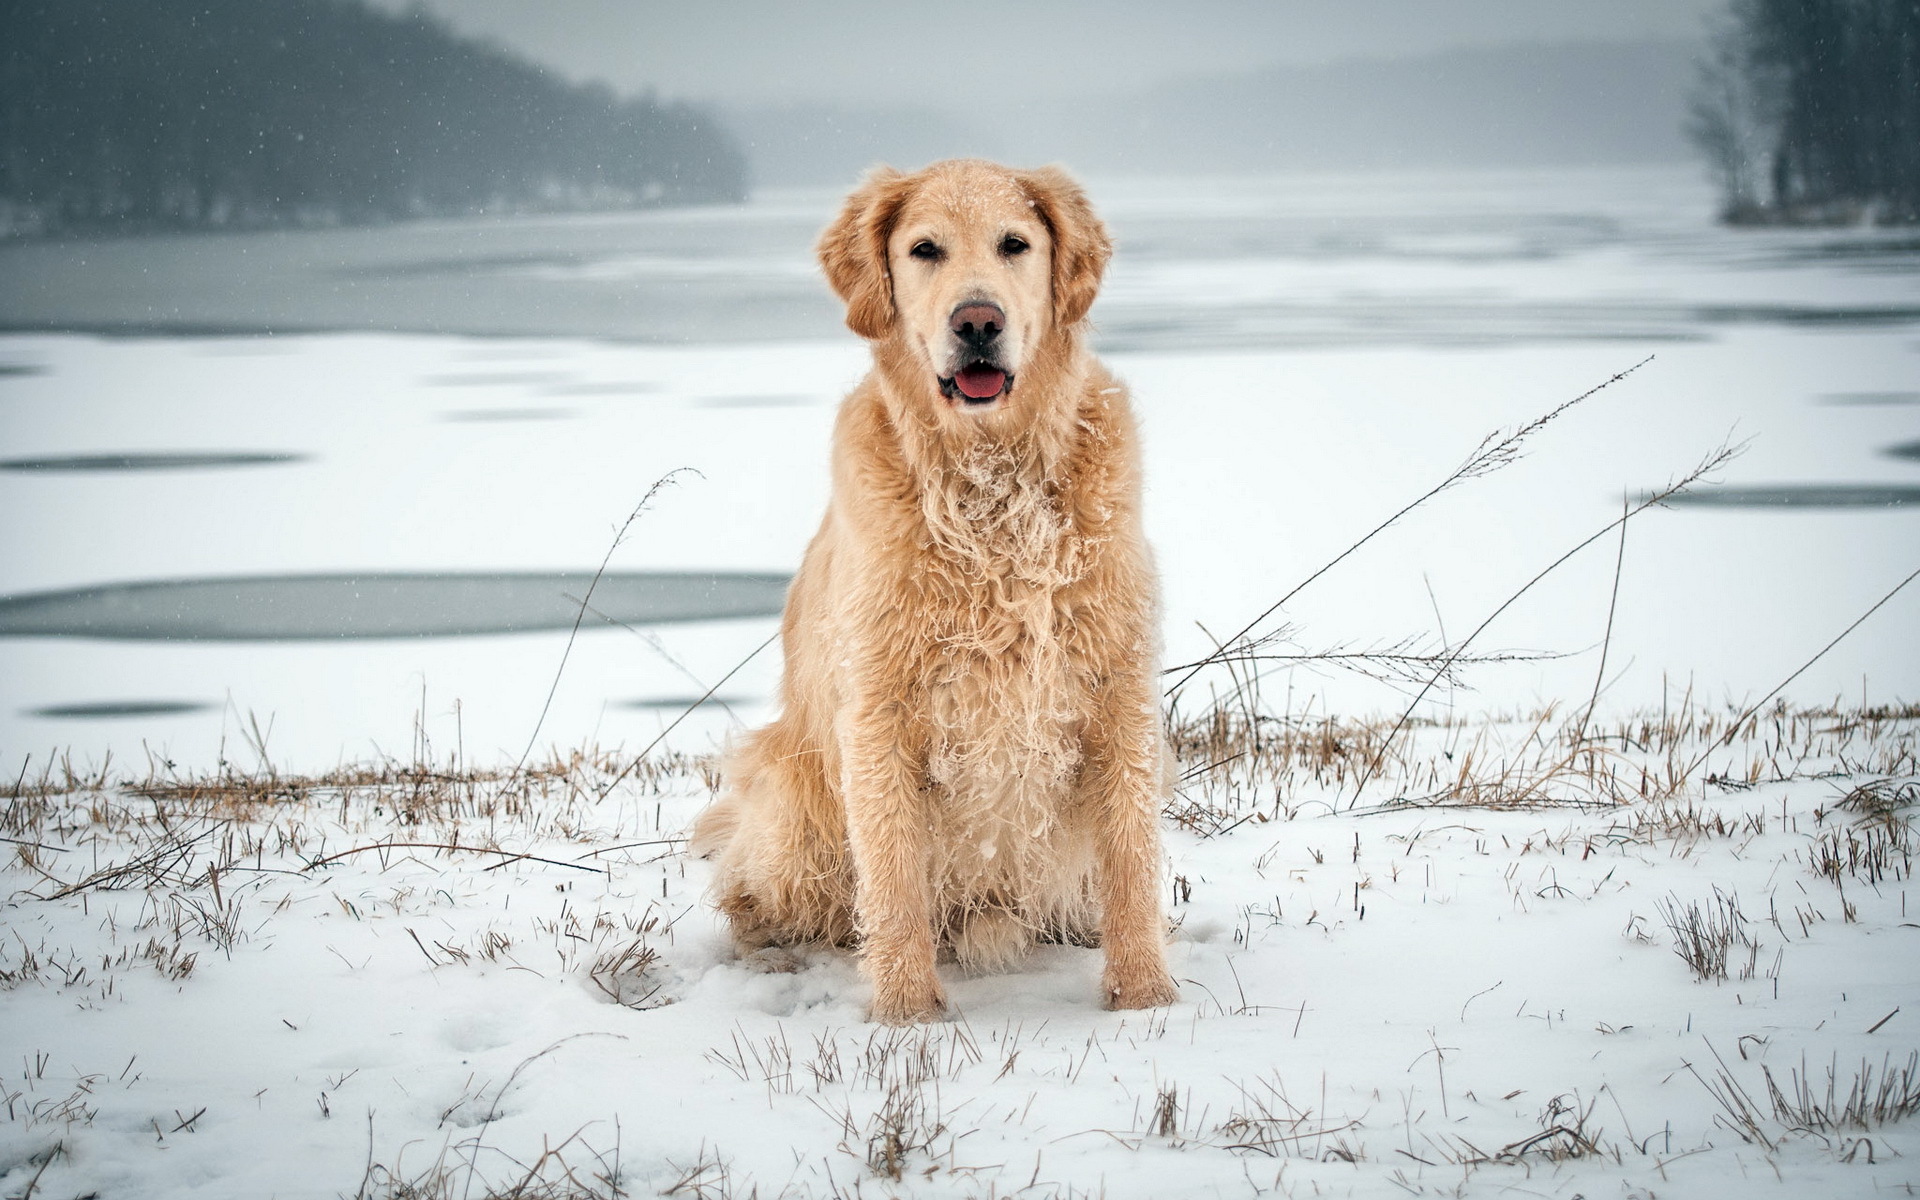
1012	245
926	251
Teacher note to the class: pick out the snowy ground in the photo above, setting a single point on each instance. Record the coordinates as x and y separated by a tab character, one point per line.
283	987
1472	991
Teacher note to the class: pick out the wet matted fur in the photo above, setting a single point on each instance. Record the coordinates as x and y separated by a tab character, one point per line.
968	755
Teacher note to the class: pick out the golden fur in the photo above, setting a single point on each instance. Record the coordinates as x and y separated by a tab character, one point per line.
968	755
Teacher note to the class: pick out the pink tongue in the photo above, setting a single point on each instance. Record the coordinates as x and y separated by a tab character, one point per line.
979	382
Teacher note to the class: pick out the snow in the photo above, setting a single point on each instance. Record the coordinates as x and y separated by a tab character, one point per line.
1371	996
1260	467
1377	997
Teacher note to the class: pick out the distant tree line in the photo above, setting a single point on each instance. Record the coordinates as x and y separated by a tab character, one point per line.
1809	111
181	113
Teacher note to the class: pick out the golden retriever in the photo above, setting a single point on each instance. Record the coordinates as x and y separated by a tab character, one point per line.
968	755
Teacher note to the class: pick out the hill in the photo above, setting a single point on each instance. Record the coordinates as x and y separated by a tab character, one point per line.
128	113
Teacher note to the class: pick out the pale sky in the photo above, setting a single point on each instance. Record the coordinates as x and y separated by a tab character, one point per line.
938	54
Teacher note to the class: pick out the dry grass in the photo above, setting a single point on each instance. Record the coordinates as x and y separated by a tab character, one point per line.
1266	1121
34	1099
570	1169
194	856
881	1091
1877	846
1567	1132
1496	451
191	834
1712	936
1838	1108
1238	748
176	867
1237	765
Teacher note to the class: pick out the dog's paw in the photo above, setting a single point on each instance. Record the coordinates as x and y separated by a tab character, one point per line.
908	1005
1153	990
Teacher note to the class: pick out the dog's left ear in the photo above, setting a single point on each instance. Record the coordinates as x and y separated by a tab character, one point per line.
1081	246
853	251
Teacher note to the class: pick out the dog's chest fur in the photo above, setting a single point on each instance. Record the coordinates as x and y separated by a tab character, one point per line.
1003	691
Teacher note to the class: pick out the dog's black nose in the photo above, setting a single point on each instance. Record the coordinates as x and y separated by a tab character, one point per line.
977	323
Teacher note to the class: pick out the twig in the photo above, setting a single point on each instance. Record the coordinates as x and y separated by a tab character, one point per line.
35	845
507	862
1392	662
170	847
653	642
512	856
1486	458
493	1108
423	946
620	535
1606	640
630	846
366	1177
1708	465
1519	1148
718	684
59	1148
1733	730
1265	1144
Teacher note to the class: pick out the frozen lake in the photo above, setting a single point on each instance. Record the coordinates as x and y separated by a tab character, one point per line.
340	491
1402	259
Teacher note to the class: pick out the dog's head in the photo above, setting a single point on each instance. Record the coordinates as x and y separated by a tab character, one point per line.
970	267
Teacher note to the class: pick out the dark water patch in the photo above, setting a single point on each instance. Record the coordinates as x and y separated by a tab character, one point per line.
1891	250
1907	450
1456	319
384	605
1865	316
106	709
507	414
253	345
179	461
495	378
682	703
1803	495
513	350
1449	321
609	387
181	329
455	265
19	370
757	401
1870	398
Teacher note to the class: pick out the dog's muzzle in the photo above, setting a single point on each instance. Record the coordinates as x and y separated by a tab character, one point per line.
976	326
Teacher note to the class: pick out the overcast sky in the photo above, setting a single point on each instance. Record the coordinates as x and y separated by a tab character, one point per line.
903	50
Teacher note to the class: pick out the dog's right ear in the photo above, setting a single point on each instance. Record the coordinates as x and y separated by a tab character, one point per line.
853	251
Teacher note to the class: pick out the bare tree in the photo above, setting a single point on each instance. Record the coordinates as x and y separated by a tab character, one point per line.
1723	121
1825	95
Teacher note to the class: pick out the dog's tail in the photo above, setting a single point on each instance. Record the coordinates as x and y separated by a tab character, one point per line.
714	828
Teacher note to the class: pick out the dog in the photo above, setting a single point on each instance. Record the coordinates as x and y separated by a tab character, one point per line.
968	756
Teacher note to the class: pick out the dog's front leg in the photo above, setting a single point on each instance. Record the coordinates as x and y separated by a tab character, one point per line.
1122	781
882	755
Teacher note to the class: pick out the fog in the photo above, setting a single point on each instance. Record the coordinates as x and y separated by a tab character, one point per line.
1573	104
999	51
817	92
